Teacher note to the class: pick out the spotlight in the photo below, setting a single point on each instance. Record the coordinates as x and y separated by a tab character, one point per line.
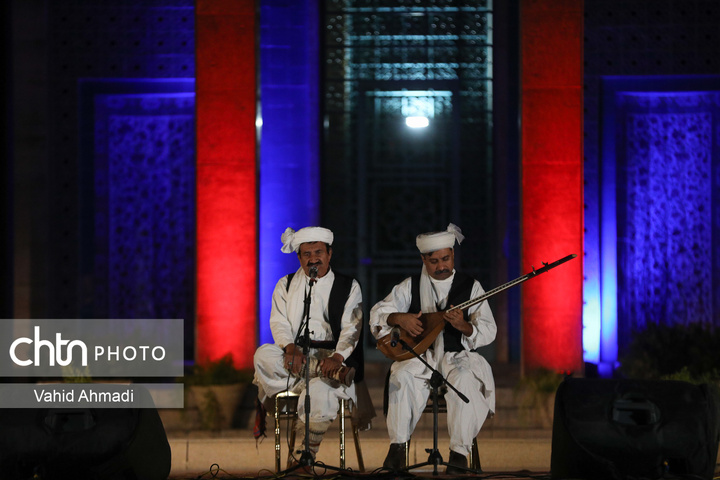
417	122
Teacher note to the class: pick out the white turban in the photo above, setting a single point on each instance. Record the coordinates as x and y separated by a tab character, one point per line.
291	239
434	241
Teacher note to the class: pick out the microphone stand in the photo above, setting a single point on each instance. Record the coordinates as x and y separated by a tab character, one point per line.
306	458
436	380
303	339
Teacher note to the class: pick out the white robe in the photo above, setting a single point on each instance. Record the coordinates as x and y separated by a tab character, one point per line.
286	314
467	370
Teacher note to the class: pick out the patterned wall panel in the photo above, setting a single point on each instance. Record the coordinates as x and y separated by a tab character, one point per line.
383	61
116	39
647	41
668	248
144	197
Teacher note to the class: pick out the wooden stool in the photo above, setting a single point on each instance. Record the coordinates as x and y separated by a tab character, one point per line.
286	408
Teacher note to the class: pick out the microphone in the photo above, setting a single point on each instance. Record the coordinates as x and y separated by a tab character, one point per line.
313	273
394	337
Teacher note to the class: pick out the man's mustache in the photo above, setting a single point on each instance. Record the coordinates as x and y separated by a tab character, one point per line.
316	264
438	272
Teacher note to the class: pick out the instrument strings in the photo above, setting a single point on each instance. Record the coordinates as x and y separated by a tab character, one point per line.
489	293
512	283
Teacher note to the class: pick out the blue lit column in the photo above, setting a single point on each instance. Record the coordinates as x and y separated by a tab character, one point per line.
289	138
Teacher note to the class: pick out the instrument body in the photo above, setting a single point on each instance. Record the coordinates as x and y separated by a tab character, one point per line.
434	323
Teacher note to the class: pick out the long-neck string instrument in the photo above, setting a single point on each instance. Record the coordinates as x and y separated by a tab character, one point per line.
434	323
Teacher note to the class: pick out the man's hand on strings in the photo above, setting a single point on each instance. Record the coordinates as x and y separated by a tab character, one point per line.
410	322
456	319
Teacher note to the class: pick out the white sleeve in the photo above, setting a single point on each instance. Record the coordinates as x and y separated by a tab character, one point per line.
282	329
482	320
351	322
397	301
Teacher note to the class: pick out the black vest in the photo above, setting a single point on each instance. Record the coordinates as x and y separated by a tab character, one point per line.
460	292
339	294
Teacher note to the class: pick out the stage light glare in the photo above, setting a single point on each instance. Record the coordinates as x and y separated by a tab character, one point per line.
417	122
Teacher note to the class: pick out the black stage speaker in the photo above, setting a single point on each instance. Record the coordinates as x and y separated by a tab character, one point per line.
92	444
622	429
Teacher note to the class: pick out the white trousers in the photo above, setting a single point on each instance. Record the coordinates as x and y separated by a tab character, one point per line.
271	377
408	392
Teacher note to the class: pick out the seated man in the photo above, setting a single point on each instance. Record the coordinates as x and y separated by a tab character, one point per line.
335	318
437	288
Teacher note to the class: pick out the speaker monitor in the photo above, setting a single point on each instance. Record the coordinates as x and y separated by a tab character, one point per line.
621	429
98	443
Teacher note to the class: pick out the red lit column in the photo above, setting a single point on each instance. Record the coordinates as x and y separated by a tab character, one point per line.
552	179
226	180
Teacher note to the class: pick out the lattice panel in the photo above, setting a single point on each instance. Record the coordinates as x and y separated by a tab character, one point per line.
667	253
144	220
87	39
383	59
404	209
641	38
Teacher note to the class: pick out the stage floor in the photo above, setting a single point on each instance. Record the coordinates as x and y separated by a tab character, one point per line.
320	472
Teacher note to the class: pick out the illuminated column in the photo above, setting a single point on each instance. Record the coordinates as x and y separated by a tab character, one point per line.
552	179
289	187
226	180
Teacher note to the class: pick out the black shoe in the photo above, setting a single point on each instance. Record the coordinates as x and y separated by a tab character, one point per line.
456	460
395	459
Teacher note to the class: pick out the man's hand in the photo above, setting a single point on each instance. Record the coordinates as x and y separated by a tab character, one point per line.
455	318
410	322
330	365
293	359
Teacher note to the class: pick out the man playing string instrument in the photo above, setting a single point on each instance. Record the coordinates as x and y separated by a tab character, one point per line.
437	288
335	318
